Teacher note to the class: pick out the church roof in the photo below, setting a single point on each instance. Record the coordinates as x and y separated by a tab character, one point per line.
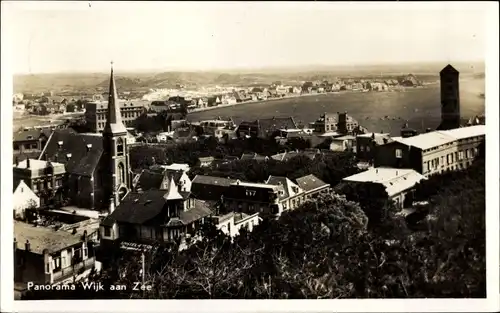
114	124
80	153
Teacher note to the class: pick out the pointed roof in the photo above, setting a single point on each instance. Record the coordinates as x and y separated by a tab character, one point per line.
448	69
114	124
172	192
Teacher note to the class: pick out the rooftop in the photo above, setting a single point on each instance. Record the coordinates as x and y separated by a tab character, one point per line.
466	132
256	185
37	164
41	238
395	180
212	180
310	182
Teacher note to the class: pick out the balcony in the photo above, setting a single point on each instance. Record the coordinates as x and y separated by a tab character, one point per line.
73	269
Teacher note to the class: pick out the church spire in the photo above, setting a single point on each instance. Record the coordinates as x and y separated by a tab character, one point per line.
114	122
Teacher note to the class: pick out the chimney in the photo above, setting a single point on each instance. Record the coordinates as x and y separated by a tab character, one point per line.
27	246
89	146
28	163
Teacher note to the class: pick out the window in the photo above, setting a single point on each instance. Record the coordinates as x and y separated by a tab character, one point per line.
367	148
442	160
35	187
250	193
119	147
107	231
361	148
49	184
399	153
121	174
250	207
16	146
428	166
456	156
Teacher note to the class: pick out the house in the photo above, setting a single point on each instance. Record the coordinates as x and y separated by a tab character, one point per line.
165	136
312	186
24	198
342	123
433	152
366	145
253	198
286	156
265	128
206	161
32	140
290	195
45	256
145	217
343	143
173	167
398	183
231	223
253	156
160	179
210	187
44	178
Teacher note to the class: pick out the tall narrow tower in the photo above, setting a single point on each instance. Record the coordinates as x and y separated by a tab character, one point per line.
450	98
116	180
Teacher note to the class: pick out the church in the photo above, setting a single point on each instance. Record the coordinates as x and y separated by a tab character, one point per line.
98	173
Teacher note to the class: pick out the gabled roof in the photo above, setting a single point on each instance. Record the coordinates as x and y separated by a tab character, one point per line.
32	134
212	180
138	208
81	162
149	179
285	184
200	210
274	123
428	140
310	182
41	238
394	180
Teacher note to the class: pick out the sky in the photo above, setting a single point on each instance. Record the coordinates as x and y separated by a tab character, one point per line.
86	36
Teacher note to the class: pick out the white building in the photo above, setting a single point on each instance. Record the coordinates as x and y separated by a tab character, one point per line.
231	223
397	182
24	198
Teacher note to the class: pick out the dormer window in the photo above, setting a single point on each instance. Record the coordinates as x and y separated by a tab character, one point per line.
30	137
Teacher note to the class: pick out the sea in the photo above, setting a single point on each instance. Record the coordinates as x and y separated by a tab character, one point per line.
376	111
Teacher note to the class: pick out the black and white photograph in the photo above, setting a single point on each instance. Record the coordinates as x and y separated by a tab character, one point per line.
250	151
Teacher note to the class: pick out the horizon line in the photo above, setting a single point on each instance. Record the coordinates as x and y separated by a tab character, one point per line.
301	68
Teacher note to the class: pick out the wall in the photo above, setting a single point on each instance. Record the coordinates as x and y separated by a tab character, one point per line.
385	156
24	198
29	266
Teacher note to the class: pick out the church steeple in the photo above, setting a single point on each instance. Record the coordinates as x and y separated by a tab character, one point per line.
114	124
116	179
